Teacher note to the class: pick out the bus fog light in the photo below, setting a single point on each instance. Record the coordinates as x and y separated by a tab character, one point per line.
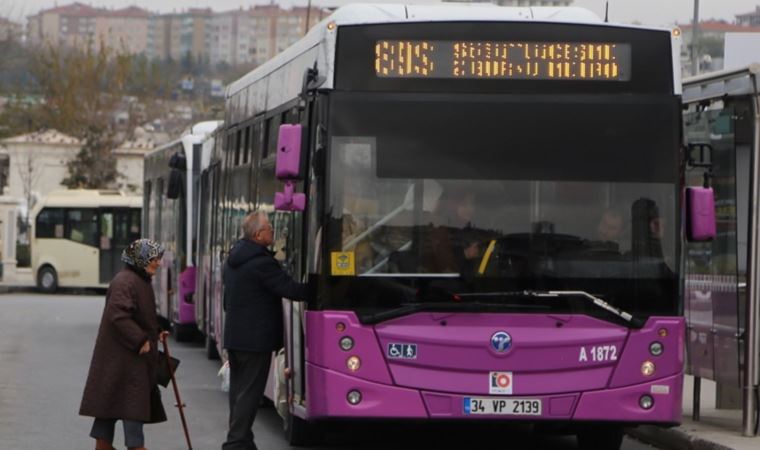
346	343
353	363
646	402
354	397
663	332
340	327
647	368
656	348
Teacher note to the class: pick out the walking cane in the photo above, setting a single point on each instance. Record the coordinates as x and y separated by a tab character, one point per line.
179	404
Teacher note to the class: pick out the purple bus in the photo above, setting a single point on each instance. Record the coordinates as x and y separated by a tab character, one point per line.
170	203
487	203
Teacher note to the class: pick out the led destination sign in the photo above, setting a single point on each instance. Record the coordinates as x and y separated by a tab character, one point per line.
597	61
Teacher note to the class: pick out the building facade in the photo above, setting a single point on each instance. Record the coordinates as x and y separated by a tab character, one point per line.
80	25
750	19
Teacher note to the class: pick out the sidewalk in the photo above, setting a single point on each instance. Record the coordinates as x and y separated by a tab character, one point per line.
716	429
22	280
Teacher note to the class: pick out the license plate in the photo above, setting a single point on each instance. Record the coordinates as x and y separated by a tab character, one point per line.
502	406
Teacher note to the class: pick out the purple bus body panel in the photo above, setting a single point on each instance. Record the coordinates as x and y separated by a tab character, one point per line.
454	358
328	391
288	151
186	286
636	351
701	206
476	383
323	345
623	403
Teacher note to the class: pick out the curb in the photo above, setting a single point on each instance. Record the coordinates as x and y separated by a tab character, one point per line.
672	438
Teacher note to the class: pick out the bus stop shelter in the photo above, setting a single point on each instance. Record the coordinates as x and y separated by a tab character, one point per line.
721	119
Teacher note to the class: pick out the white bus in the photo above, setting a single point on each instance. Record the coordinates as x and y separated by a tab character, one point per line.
78	236
170	196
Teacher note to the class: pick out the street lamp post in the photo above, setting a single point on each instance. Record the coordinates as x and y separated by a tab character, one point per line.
694	39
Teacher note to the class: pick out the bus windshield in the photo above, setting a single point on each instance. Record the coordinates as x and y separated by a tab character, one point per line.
421	201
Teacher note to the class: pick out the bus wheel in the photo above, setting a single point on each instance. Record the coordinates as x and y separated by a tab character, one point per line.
602	437
211	352
299	432
47	280
183	332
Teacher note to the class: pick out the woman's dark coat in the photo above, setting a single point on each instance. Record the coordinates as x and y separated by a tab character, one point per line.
254	286
122	383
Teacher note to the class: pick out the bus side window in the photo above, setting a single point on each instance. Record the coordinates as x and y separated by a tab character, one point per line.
82	226
49	223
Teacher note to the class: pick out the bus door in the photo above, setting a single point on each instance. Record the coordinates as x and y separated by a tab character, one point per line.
118	228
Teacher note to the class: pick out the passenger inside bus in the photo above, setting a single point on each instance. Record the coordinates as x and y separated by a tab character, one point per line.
453	243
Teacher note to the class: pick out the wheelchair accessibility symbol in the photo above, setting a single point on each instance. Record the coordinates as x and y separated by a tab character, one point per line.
402	351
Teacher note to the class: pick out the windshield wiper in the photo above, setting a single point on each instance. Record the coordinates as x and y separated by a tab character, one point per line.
628	317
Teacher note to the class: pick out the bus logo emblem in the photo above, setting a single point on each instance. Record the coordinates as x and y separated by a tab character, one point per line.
501	341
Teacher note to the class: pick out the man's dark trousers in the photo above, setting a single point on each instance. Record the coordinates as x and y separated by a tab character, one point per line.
248	378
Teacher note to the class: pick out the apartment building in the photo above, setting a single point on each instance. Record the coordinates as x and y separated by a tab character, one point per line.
175	35
255	35
750	19
79	25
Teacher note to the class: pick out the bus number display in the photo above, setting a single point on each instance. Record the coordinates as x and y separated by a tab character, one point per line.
597	61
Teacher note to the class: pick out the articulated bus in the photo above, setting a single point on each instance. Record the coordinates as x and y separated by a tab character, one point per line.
78	236
170	199
486	203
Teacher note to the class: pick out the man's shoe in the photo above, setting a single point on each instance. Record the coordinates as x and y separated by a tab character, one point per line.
101	444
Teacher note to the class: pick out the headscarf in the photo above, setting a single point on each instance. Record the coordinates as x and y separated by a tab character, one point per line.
139	253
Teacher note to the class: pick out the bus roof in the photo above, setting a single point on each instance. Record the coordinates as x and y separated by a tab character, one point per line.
196	133
88	198
358	14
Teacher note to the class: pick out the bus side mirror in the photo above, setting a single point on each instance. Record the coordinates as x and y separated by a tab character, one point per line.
288	168
288	164
700	214
288	200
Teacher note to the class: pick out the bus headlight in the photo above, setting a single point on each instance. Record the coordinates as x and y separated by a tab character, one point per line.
647	368
656	348
354	397
646	402
346	343
353	363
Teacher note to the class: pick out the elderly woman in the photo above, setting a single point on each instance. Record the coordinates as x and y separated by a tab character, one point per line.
121	384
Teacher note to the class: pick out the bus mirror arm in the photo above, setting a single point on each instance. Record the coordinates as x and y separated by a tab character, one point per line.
311	81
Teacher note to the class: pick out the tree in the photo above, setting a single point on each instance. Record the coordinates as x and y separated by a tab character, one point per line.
83	89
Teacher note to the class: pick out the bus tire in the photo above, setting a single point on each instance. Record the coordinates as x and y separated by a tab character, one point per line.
211	352
601	437
183	332
47	280
299	432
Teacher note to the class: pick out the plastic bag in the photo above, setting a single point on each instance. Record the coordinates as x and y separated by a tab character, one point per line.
280	385
224	373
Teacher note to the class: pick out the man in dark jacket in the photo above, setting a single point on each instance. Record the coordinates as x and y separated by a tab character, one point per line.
254	286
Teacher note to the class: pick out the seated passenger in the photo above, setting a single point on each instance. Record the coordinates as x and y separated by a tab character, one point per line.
453	241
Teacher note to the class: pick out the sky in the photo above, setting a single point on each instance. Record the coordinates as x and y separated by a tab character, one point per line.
649	12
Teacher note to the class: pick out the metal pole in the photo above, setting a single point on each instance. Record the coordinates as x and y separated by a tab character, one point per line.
696	399
694	39
308	13
750	330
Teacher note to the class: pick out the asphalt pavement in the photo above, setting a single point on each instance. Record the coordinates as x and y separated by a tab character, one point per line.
46	344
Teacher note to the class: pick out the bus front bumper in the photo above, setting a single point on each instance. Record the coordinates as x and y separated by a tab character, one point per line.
329	392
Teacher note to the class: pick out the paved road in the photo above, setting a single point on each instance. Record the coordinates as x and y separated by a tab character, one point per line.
45	348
